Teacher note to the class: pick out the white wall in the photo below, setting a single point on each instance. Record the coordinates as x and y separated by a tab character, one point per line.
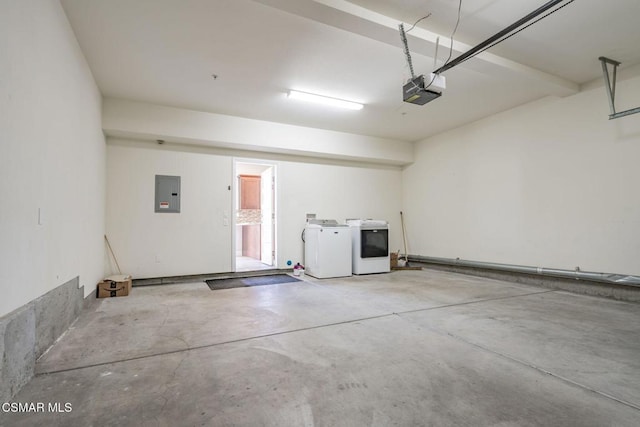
149	244
196	241
53	156
551	184
334	192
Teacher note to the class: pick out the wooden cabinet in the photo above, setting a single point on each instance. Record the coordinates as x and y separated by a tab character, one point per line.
249	192
251	241
250	199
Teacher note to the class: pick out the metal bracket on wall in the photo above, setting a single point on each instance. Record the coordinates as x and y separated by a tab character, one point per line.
610	83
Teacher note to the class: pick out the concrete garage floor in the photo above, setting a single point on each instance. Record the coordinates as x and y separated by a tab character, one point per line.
407	348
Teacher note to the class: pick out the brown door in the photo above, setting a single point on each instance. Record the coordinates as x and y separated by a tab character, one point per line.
250	199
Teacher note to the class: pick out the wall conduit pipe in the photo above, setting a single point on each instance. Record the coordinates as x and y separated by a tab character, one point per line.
611	278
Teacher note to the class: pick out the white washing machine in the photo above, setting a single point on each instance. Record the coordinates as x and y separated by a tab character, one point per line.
370	246
327	249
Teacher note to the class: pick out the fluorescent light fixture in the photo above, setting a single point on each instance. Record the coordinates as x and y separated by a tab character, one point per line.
319	99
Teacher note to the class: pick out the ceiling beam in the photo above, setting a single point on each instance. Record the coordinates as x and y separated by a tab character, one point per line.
359	20
142	121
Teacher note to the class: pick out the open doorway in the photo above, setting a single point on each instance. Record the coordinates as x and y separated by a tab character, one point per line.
255	215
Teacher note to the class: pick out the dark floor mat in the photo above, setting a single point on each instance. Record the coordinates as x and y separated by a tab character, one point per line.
243	282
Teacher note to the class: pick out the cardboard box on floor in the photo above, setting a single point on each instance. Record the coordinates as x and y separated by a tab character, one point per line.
393	257
114	286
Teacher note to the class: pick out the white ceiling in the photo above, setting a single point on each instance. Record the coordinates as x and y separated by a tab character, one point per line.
165	52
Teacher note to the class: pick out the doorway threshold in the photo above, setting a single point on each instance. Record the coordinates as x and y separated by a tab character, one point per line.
244	263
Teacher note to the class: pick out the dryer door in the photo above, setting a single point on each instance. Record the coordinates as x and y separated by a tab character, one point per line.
374	243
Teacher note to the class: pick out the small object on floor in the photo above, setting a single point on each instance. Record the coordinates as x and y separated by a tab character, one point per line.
298	270
118	285
244	282
406	268
393	259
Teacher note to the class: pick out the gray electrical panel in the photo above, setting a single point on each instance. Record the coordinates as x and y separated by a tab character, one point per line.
167	194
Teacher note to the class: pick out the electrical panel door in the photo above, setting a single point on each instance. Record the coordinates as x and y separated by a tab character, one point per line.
167	194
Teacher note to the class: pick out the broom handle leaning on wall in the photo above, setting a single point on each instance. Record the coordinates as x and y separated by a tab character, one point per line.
114	255
404	236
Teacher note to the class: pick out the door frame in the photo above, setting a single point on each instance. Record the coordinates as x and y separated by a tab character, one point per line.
235	201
